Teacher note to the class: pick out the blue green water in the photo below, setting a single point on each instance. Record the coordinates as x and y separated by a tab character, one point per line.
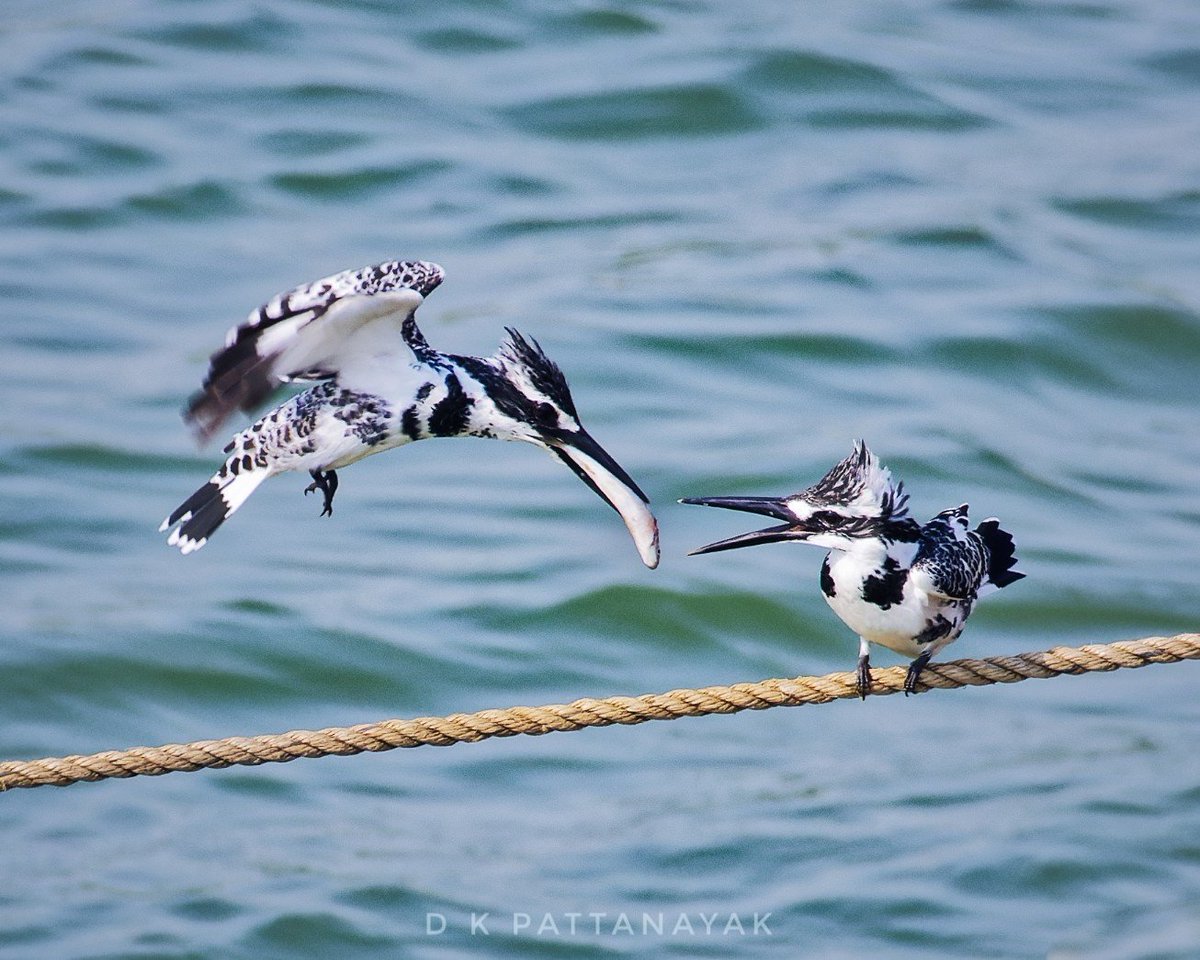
750	233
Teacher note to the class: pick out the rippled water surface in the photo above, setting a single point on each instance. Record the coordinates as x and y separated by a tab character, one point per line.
966	231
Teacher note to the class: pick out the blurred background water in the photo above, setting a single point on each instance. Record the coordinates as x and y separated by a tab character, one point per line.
966	231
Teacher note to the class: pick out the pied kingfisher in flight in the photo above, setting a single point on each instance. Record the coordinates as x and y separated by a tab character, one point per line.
891	580
380	386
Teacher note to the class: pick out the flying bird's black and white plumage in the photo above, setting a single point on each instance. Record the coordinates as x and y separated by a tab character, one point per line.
380	386
892	581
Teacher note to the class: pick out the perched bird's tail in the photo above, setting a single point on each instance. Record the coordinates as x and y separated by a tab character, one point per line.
1002	555
200	514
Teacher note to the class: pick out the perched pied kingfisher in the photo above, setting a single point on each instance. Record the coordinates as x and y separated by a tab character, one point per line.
891	580
381	386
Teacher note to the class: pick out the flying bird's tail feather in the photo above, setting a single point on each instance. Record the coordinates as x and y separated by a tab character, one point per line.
204	511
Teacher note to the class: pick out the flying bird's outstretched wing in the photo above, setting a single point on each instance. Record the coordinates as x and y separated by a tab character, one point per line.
312	333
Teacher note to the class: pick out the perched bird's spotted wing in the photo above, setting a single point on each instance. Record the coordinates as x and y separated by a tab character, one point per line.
306	334
955	568
965	565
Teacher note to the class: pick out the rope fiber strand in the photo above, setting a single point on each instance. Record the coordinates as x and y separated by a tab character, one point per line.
589	712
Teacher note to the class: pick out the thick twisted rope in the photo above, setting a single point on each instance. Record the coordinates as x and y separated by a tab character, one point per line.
535	721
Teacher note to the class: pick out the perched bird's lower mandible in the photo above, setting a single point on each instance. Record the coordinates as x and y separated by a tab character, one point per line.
380	386
893	581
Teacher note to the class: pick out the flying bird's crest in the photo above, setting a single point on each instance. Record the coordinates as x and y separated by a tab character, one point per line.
531	367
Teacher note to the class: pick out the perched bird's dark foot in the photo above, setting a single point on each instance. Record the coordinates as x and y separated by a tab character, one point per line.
914	673
327	482
863	676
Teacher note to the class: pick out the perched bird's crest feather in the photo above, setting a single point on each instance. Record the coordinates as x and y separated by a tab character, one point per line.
860	486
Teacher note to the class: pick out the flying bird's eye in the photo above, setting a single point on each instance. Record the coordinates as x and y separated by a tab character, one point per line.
824	518
546	414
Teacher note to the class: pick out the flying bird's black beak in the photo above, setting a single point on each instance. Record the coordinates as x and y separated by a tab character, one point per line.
592	464
766	506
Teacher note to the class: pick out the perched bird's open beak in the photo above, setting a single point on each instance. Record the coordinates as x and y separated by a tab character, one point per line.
791	530
604	475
